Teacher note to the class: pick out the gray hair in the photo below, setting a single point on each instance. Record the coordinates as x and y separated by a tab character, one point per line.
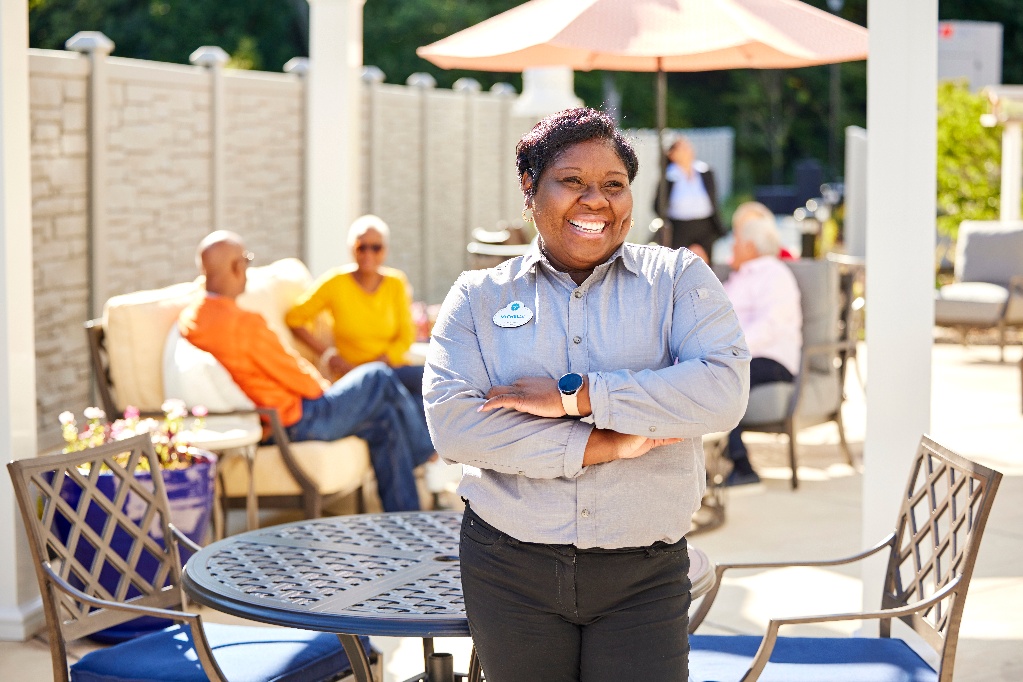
748	210
364	224
762	233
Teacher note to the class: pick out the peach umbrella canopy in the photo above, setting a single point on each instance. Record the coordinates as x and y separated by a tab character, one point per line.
652	35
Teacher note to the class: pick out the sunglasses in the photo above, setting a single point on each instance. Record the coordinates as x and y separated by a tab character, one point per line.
375	248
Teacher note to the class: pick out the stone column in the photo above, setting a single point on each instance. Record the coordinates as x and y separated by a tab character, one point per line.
1012	169
214	58
470	88
97	47
299	66
424	82
21	612
901	186
332	129
546	90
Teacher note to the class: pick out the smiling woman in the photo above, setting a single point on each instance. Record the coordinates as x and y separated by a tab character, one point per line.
574	383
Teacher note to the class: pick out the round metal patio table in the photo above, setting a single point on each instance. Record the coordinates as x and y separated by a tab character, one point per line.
391	574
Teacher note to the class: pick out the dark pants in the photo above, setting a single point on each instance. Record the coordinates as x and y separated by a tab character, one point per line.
555	613
761	371
687	232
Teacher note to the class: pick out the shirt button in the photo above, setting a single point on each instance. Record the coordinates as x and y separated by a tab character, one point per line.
577	339
652	429
586	513
577	293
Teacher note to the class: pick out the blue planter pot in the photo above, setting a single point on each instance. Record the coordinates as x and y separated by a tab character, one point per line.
190	492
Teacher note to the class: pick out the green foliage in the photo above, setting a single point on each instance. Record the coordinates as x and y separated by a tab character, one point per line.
258	35
393	29
969	158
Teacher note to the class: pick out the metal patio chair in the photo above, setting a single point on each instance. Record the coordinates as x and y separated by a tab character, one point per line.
817	394
931	555
88	585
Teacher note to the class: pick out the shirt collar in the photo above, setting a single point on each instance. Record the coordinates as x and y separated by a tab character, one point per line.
533	256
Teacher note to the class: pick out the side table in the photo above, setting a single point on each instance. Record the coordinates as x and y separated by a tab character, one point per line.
229	436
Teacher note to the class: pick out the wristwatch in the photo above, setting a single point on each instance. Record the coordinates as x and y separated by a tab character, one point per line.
569	386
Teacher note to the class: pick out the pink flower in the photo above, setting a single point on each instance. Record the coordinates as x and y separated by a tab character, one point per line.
199	411
131	412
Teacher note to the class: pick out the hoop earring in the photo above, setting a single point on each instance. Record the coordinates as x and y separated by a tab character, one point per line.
527	215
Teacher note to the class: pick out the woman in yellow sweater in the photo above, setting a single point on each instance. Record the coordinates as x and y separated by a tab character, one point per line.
371	306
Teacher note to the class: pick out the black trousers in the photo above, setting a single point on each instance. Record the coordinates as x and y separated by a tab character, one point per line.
555	613
761	371
700	231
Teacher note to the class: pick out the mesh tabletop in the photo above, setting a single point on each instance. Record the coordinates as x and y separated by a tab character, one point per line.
368	574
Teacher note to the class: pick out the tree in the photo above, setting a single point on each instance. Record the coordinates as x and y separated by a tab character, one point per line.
969	158
258	35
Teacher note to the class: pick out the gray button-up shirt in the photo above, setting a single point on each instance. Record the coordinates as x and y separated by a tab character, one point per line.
665	357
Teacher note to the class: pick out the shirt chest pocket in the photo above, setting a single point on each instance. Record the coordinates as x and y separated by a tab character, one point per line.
524	351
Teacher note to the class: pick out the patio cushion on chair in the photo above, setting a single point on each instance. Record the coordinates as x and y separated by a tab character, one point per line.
970	303
244	653
724	658
768	403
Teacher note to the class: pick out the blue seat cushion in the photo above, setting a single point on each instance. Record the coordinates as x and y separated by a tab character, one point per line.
725	658
244	653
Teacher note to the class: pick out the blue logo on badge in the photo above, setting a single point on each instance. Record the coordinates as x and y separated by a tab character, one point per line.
515	306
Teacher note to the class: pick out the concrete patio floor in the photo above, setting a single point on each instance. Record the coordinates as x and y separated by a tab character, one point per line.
976	412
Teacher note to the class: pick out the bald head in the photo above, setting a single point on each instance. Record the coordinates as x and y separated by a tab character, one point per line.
222	258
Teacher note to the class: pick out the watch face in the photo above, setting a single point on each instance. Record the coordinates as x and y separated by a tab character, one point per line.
570	383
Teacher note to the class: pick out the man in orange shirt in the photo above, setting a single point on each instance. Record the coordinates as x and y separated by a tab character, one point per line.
368	402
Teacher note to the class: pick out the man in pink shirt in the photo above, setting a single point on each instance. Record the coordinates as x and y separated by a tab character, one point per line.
765	296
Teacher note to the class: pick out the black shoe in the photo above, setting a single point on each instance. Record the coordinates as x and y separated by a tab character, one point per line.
736	478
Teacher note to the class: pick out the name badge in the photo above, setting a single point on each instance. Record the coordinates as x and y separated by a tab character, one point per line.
515	314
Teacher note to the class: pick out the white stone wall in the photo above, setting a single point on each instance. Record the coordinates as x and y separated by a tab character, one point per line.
157	173
58	120
264	169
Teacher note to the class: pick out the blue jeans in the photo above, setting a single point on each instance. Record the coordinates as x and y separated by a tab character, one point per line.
411	377
370	402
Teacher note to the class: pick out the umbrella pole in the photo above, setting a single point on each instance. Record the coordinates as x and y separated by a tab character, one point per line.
662	183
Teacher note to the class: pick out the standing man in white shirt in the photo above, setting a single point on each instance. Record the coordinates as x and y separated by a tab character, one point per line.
765	296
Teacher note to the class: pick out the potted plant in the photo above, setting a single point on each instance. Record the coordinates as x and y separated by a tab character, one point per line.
189	476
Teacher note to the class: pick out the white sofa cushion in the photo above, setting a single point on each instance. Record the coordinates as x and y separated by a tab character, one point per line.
195	376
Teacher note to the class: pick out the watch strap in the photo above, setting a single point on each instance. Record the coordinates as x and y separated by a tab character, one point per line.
570	401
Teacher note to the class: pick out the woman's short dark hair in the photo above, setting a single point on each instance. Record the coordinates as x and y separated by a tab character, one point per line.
550	137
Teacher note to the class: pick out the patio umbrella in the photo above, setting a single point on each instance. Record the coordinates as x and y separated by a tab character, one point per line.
652	35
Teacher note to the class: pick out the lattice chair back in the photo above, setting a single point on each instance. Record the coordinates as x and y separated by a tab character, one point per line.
76	508
944	511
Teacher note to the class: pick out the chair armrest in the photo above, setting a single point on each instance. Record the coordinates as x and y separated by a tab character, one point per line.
283	443
763	654
192	620
708	600
809	351
77	594
183	539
